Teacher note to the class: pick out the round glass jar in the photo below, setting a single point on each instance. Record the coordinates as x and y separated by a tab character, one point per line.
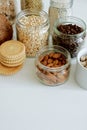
8	8
32	30
72	42
50	69
57	9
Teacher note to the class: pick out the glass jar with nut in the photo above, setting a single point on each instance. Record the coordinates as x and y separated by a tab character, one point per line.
52	65
32	30
8	8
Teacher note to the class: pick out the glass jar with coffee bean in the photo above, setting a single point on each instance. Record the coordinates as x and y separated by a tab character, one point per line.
70	33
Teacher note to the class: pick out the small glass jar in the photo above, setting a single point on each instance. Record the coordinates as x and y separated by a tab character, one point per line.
72	42
8	8
52	73
32	30
57	9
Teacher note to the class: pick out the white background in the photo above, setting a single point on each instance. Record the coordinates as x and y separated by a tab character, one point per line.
26	104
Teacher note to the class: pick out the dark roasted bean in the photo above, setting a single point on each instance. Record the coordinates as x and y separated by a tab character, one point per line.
69	38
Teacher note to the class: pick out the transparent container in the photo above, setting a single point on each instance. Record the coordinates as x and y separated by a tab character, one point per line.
31	4
57	74
32	30
72	42
8	8
57	9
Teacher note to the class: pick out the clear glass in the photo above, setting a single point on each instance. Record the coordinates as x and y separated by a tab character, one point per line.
56	75
57	9
73	42
31	4
8	8
61	3
32	30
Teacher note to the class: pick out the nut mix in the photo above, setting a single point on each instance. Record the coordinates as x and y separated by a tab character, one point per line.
32	30
52	67
70	35
83	60
53	59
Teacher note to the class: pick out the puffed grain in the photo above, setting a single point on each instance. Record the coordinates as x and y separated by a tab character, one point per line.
31	34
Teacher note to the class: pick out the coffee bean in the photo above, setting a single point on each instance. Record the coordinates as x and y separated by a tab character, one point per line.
68	38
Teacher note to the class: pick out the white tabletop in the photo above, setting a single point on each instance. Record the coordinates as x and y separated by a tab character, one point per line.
26	104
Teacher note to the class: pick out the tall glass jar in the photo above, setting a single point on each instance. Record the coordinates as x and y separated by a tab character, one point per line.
32	30
57	9
8	8
31	4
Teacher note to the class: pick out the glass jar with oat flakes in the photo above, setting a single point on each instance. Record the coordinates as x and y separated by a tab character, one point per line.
32	29
8	8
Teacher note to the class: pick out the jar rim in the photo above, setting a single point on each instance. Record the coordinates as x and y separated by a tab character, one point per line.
57	22
27	12
51	48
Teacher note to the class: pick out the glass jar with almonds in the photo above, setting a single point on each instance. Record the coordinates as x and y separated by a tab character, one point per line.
53	65
32	30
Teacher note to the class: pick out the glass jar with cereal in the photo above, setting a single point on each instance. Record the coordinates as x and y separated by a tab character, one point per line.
32	30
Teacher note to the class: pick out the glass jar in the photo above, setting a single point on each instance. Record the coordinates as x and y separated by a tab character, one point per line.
72	42
32	30
50	69
57	9
8	8
31	4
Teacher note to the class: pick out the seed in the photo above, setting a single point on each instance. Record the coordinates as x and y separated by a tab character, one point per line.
50	65
56	55
44	62
51	54
83	58
50	61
